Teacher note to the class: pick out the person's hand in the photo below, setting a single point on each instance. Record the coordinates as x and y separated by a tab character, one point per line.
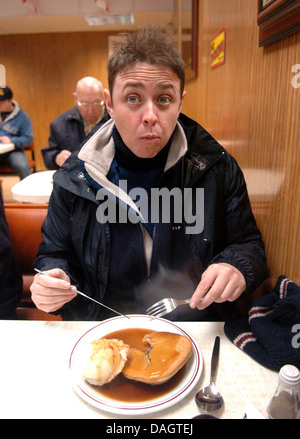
51	293
219	283
5	139
62	157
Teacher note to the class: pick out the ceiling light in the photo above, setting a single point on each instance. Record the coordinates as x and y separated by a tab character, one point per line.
109	19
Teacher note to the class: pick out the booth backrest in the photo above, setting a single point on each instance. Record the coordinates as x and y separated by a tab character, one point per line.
25	222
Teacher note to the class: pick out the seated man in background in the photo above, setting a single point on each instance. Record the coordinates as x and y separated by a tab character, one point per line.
16	131
106	231
11	282
68	130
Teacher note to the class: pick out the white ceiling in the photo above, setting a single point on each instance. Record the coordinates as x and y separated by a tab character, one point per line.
43	16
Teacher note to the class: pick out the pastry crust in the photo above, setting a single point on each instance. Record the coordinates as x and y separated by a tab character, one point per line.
166	355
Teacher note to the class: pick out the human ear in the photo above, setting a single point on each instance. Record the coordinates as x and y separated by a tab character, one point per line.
108	103
181	101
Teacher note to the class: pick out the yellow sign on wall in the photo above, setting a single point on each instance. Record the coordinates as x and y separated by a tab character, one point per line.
217	50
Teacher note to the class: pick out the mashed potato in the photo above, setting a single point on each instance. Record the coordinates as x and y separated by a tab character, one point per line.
107	359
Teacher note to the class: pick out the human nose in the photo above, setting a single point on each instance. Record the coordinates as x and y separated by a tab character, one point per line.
149	116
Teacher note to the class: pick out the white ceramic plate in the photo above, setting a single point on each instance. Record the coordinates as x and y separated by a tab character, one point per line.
90	395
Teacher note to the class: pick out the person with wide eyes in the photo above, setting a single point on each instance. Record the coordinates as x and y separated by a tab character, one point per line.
106	231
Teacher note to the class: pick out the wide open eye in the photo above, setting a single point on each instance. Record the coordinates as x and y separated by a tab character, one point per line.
133	99
164	100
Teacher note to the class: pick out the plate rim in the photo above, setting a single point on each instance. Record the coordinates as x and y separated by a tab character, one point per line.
153	405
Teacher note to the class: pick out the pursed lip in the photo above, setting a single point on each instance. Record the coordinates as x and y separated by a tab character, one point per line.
149	137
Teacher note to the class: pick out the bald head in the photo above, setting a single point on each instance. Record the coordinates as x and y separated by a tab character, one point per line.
89	83
89	98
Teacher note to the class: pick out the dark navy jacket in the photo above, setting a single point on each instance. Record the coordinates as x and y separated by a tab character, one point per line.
66	132
76	242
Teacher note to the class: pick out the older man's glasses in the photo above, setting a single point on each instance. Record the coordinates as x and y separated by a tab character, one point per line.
95	105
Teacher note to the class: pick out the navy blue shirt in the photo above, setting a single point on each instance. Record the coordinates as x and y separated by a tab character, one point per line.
138	172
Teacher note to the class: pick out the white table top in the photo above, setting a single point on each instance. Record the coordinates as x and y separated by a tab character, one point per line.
35	378
36	188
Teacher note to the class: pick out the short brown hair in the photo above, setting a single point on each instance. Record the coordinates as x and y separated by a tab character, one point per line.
147	45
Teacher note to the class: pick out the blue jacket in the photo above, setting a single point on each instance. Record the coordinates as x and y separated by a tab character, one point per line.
18	127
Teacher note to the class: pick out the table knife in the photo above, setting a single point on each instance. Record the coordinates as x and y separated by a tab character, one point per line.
84	295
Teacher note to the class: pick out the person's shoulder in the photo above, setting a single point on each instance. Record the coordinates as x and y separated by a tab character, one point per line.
198	138
19	113
70	114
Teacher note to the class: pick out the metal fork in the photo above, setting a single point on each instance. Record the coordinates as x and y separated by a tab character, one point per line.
165	306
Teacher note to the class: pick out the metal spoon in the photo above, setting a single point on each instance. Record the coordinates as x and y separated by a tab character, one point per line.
208	398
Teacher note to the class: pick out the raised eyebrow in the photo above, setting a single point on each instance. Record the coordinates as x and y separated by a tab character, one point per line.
141	85
166	86
133	85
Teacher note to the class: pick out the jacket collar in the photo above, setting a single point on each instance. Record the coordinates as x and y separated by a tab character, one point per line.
73	114
98	153
13	113
203	152
191	141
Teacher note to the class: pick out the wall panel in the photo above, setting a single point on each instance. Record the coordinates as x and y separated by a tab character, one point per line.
250	106
42	70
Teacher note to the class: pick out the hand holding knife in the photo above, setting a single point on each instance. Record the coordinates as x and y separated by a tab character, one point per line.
84	295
